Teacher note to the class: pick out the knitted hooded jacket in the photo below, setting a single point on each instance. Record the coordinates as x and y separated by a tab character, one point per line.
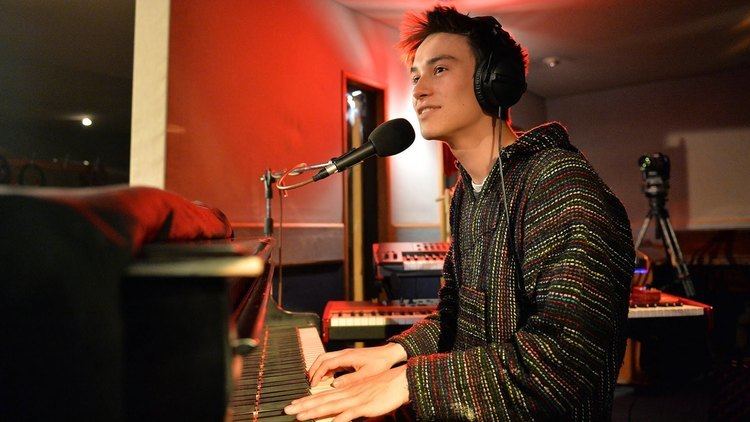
531	319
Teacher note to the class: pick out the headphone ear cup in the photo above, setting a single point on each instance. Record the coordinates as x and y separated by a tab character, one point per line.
497	85
498	82
507	91
481	90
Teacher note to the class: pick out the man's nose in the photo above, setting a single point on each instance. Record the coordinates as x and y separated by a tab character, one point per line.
421	88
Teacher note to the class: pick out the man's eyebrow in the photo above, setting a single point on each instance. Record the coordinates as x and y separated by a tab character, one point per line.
435	60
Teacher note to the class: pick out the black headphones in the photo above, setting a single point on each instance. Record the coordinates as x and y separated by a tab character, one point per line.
498	82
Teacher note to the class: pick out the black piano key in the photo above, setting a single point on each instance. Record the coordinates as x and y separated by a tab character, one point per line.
289	387
271	379
280	364
279	395
244	409
283	369
274	379
274	406
282	418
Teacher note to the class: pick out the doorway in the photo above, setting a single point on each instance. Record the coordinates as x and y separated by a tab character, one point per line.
365	189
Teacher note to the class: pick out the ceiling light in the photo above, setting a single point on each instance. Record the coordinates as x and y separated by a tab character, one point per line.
551	61
86	121
356	93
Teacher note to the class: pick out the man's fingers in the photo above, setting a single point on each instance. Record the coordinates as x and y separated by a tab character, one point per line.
329	366
326	367
320	359
320	368
313	402
347	379
332	407
348	415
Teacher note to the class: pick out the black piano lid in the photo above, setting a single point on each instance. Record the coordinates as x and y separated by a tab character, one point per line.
243	261
244	257
258	246
186	305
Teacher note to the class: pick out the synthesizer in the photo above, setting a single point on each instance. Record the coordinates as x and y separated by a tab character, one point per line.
409	256
346	320
356	321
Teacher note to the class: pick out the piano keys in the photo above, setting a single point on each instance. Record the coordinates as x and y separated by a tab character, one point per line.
409	257
666	311
670	306
190	308
409	270
359	320
187	307
275	373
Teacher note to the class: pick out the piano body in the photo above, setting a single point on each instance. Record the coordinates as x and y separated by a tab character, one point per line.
190	359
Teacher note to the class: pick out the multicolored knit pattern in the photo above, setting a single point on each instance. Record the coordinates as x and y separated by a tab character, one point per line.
547	346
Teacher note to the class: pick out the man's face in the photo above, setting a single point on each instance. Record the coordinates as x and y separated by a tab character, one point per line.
443	77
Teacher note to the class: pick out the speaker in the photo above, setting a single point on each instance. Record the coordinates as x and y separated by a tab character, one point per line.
499	81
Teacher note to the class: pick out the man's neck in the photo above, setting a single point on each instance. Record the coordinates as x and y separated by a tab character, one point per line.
477	154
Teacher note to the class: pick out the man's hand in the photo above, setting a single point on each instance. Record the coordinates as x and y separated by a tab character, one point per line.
365	362
369	397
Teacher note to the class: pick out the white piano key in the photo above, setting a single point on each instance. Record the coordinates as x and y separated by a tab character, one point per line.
312	347
665	311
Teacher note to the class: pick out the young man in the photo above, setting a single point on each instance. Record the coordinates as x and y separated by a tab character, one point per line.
531	319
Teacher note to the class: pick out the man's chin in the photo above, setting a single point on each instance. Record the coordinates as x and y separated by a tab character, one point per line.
430	135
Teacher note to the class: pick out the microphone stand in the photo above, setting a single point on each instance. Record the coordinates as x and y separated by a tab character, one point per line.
268	178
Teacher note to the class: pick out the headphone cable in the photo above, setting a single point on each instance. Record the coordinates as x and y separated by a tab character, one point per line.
500	161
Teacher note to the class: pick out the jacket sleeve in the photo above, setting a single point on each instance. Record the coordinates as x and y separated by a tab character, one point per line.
577	261
425	337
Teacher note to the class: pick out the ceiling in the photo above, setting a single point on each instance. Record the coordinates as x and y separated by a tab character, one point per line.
62	61
604	44
64	58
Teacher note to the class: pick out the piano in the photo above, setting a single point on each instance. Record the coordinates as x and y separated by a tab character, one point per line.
197	313
91	331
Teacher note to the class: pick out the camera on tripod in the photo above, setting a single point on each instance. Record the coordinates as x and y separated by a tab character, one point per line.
655	172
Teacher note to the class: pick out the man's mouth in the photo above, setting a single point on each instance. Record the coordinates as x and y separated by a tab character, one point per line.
423	111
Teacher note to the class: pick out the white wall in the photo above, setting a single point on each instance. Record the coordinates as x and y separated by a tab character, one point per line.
149	116
530	111
416	184
701	123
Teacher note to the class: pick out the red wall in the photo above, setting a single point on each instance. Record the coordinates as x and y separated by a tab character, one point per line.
257	84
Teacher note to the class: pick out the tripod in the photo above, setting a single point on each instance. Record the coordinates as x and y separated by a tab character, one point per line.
656	192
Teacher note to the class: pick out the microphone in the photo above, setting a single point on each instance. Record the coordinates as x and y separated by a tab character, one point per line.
389	138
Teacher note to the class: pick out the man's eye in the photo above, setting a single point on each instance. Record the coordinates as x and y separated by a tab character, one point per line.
414	80
439	69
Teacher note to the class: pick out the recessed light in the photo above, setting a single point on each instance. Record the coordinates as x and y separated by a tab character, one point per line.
86	121
551	61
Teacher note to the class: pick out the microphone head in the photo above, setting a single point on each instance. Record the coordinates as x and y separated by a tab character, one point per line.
392	137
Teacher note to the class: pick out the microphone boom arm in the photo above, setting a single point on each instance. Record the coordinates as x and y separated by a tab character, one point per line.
295	171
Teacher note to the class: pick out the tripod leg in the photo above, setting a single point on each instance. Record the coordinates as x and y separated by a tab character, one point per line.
642	232
675	255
